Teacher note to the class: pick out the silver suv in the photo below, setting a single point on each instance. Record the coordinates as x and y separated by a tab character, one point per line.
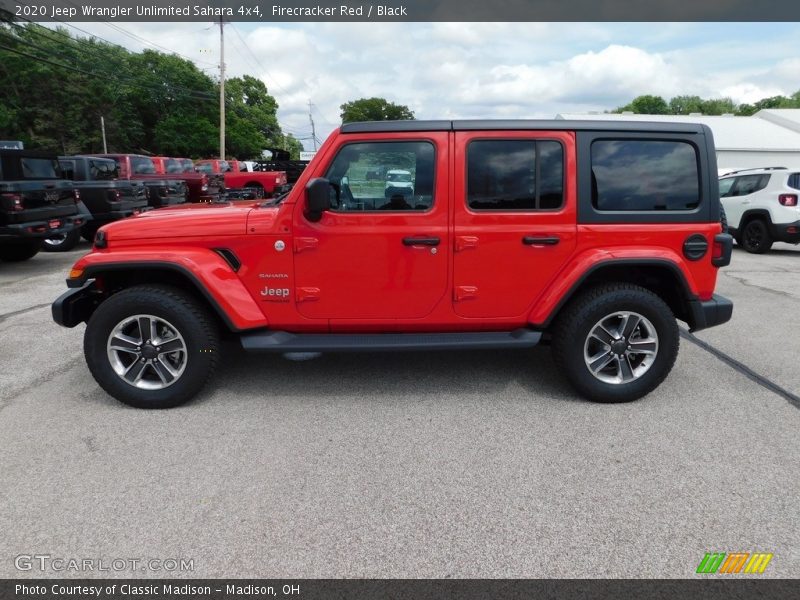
762	206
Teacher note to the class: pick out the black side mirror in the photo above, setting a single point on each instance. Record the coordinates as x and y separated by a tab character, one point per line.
318	198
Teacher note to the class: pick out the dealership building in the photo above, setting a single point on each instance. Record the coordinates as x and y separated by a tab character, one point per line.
769	138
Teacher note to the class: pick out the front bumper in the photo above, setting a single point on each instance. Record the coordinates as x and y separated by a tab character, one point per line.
709	313
76	305
41	229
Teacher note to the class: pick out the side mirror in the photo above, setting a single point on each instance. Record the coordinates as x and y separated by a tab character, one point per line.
318	198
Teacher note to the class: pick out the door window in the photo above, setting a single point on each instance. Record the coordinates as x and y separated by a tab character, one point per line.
515	175
390	176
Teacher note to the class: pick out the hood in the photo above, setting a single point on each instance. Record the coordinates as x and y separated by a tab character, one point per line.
182	221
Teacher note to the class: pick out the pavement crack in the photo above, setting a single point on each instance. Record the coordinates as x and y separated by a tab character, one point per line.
742	368
747	283
22	311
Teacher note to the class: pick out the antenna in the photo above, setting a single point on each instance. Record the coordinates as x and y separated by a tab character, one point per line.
221	90
313	130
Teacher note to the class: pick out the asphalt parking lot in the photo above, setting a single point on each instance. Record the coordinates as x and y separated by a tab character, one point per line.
475	464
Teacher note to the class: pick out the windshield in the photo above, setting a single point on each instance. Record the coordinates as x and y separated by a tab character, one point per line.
40	168
187	164
141	165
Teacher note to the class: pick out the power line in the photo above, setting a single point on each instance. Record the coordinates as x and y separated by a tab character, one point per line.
258	62
197	94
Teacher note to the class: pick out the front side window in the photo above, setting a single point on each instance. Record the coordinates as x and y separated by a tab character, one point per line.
644	175
515	175
407	185
725	186
171	165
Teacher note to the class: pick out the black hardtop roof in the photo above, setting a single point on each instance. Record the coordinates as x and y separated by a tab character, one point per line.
30	153
86	157
524	125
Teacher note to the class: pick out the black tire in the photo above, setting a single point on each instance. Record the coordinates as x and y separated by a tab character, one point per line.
575	323
88	231
192	321
19	251
723	218
755	237
259	190
62	243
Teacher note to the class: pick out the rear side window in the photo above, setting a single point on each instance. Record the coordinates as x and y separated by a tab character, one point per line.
749	184
40	168
67	168
644	175
515	175
141	165
794	181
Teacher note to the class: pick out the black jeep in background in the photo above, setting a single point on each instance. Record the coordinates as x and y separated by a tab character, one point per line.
103	197
35	203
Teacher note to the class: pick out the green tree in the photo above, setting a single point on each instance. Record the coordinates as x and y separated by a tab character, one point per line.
646	105
251	118
374	109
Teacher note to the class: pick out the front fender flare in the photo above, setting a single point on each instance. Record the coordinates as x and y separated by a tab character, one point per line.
205	269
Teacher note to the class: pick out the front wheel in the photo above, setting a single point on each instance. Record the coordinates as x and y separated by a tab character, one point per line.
616	343
151	346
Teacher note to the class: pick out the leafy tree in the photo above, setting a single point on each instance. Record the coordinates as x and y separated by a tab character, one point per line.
54	88
647	105
374	109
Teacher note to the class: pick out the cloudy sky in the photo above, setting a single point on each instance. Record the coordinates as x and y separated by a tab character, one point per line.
470	70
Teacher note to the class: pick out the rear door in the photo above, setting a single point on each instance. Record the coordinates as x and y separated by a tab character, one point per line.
514	218
381	252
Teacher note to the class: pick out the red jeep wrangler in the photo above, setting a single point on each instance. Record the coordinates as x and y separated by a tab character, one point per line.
592	236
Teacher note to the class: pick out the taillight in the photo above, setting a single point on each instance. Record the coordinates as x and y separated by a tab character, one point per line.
788	199
77	193
11	202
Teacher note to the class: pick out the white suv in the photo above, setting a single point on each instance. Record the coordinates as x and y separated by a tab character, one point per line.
762	206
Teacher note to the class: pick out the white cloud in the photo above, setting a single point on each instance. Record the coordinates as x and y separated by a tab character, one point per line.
444	70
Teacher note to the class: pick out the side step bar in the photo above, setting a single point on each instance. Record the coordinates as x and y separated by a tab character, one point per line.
282	341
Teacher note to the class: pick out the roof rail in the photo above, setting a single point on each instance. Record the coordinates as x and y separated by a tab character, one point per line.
753	169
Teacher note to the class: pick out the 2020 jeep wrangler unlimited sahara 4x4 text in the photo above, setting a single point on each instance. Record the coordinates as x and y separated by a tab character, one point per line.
592	236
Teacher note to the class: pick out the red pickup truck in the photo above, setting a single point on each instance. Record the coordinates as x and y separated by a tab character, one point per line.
202	187
593	237
237	175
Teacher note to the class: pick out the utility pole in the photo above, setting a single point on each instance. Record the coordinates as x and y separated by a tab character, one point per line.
103	129
313	131
221	90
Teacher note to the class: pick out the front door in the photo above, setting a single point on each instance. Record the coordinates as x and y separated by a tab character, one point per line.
514	208
381	252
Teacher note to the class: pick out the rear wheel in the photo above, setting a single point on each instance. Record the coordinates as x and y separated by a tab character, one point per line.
616	343
152	346
63	242
19	251
756	238
257	188
88	231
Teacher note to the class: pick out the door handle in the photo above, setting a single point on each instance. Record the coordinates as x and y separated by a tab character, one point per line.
421	241
530	240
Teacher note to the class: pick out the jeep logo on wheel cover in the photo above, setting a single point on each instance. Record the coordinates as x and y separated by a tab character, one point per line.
52	196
